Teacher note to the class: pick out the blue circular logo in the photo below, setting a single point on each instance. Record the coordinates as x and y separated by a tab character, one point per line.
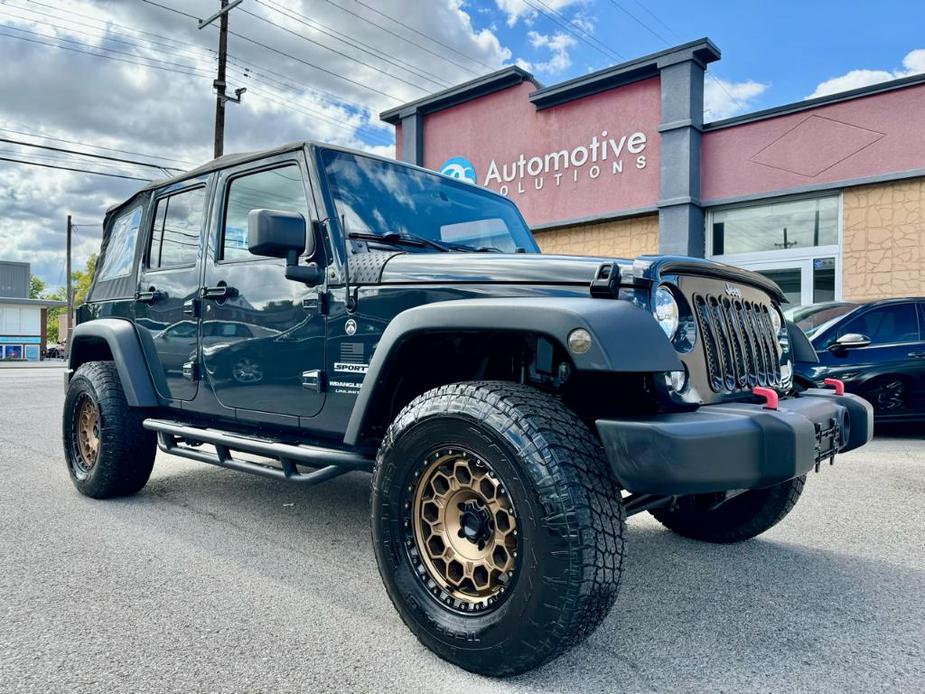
459	168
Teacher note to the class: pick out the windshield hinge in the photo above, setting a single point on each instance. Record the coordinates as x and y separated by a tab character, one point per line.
606	282
317	303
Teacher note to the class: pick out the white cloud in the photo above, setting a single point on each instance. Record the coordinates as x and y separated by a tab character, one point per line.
520	9
723	99
558	44
913	64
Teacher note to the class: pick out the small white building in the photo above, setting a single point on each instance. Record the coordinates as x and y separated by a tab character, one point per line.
22	320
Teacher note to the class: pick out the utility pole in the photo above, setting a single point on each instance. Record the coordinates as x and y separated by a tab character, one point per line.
70	294
219	83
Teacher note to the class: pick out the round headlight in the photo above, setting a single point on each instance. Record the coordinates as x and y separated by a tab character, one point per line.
666	311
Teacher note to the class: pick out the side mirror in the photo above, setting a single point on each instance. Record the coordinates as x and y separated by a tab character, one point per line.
280	234
850	340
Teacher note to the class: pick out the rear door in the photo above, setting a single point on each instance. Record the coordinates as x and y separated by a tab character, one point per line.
262	335
168	286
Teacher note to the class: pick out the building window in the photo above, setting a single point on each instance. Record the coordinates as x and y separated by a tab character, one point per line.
793	242
797	224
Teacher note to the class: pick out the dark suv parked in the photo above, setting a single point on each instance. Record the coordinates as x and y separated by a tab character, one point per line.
328	311
878	350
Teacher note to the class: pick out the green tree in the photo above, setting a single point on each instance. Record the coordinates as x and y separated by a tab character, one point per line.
36	286
59	294
82	280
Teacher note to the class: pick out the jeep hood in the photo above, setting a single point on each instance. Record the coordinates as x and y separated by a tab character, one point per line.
535	268
518	268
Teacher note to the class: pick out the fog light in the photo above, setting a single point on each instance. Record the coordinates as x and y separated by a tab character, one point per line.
786	371
677	380
579	341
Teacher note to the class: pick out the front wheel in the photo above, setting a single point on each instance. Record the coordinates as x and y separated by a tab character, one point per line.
108	451
497	526
710	518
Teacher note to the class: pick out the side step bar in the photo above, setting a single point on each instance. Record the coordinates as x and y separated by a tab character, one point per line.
174	437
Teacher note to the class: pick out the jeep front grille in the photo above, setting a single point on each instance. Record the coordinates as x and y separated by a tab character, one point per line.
739	345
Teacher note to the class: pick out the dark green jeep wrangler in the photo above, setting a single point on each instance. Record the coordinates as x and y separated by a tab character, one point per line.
323	311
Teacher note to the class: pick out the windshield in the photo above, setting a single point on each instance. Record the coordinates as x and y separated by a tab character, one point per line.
379	197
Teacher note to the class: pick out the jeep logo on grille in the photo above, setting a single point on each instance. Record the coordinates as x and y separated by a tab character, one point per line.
732	291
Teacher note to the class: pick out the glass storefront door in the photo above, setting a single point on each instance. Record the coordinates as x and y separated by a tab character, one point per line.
806	281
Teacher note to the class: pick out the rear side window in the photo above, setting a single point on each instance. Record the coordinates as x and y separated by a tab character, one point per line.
177	223
886	325
274	189
120	251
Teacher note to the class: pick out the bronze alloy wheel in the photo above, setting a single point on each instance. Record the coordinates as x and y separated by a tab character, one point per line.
87	434
464	530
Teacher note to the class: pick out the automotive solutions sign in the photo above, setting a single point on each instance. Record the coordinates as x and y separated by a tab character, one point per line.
594	156
602	154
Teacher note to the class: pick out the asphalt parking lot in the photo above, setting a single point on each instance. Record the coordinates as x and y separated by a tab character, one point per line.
215	581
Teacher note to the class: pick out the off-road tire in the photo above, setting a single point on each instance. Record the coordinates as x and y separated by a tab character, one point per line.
569	514
740	518
126	450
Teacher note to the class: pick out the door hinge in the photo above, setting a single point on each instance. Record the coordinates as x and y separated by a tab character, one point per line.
314	380
317	303
191	371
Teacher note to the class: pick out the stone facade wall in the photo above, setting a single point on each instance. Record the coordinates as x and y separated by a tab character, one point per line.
883	252
625	238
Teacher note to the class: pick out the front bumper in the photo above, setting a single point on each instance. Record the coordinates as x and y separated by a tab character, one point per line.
734	446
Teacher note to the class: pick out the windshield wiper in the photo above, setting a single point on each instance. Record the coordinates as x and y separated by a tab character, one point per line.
396	238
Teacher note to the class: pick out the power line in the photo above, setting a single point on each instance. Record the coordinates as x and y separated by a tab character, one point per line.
110	50
254	68
104	30
68	168
328	48
264	95
86	154
282	53
565	24
401	38
354	43
84	144
652	31
421	34
98	55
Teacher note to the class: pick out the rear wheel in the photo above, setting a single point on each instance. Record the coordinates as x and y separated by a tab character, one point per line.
107	450
497	527
709	518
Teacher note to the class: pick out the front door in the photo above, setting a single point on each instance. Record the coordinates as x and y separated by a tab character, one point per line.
262	335
168	285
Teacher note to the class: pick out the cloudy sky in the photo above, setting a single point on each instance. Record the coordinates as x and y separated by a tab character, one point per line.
132	79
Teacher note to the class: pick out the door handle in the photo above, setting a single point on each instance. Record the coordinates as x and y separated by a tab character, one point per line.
916	355
149	296
218	292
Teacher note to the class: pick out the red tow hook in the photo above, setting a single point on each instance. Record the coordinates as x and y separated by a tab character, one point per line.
769	395
839	386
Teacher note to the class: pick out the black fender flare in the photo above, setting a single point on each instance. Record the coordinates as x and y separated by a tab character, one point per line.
801	349
122	339
624	337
